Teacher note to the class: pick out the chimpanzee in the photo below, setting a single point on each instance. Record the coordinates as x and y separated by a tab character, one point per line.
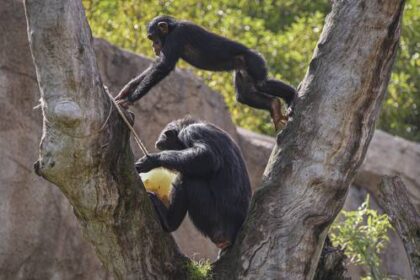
173	39
213	185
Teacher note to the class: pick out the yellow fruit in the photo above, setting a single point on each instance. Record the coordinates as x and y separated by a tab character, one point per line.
159	181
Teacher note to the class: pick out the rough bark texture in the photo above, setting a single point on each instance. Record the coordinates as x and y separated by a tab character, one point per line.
383	153
39	237
331	264
87	156
317	155
85	148
393	198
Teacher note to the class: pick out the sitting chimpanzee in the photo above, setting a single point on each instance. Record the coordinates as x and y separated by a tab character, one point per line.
213	184
174	39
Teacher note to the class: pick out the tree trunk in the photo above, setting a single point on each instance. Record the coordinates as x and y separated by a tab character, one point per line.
331	264
393	199
85	149
316	156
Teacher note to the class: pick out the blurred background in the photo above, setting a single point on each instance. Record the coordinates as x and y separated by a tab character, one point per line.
39	236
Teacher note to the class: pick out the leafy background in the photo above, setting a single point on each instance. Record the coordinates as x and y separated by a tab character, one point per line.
285	32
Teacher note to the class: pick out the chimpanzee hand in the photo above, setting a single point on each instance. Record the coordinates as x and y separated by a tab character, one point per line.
122	97
147	163
126	91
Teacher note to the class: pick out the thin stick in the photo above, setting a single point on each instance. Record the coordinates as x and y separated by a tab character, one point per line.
136	137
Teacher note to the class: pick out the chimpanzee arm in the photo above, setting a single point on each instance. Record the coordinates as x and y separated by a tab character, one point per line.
132	85
198	160
170	218
161	68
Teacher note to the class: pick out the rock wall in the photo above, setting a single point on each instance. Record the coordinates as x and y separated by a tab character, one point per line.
39	235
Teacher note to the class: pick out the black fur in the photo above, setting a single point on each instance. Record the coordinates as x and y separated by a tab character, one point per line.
209	51
213	185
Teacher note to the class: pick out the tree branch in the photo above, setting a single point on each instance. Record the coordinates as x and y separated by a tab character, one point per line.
393	199
317	155
85	149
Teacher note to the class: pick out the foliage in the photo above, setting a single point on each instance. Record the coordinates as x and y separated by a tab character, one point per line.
284	31
363	234
199	270
401	111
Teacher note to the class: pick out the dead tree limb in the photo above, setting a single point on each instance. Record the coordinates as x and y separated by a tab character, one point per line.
393	199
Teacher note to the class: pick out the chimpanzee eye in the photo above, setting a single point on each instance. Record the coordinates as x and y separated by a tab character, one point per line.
170	133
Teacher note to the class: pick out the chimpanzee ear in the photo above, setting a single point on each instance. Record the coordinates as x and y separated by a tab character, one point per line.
163	27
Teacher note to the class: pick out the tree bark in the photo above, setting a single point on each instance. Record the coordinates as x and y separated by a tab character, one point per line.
316	156
85	149
331	264
393	199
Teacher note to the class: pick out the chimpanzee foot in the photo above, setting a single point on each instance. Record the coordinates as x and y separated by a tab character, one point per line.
277	116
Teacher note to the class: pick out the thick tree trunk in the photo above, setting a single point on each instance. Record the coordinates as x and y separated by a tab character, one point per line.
317	155
85	150
393	199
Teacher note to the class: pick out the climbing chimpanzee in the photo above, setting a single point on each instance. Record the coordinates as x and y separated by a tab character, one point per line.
173	39
213	184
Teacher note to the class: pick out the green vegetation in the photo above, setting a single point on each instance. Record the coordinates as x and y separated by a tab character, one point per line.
199	270
363	234
284	31
401	111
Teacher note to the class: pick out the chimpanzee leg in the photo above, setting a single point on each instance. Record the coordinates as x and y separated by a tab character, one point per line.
277	88
255	66
246	93
172	217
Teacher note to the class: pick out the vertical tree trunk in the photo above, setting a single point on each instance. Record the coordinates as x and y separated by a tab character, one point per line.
393	198
85	151
316	156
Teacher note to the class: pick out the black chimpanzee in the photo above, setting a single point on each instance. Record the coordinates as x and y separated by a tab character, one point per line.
173	39
213	185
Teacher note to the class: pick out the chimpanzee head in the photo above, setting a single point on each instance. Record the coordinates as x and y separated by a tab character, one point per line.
158	29
168	138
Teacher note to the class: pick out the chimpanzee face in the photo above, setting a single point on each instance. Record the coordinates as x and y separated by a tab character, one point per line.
168	140
156	43
157	33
